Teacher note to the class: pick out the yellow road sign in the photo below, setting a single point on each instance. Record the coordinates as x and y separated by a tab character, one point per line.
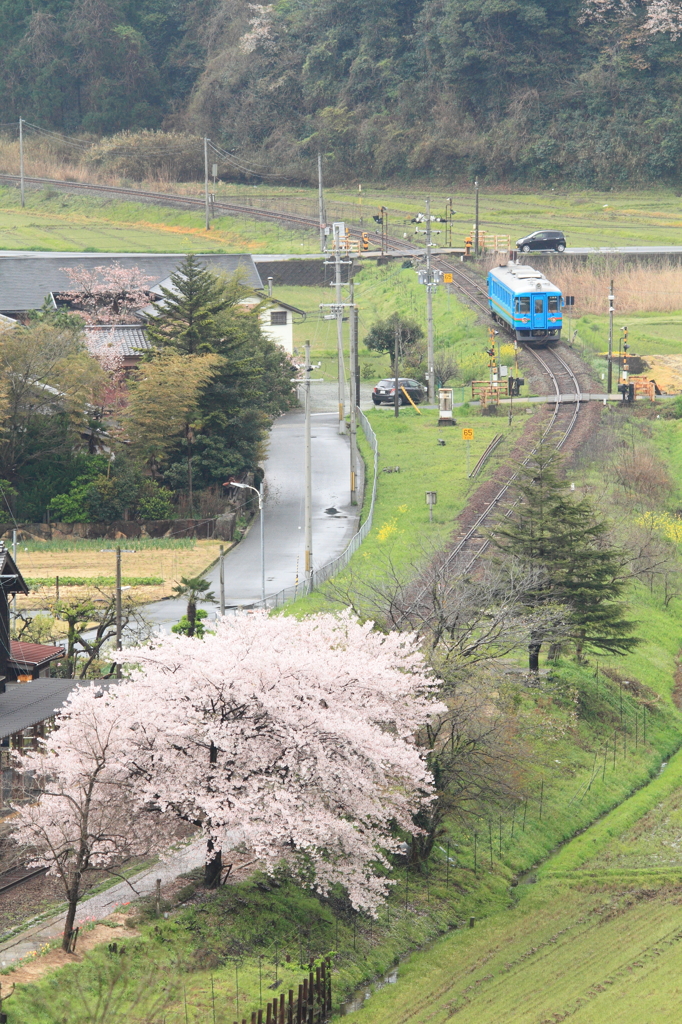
468	434
447	278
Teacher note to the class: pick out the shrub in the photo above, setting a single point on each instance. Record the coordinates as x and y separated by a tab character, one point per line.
166	156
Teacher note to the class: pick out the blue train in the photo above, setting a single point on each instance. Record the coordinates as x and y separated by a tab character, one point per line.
525	303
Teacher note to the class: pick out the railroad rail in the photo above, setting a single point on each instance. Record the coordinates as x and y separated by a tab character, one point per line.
19	875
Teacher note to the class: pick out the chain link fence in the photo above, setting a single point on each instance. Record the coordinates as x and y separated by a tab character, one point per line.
325	572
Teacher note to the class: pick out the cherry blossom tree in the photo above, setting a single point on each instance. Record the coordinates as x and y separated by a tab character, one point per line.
107	294
296	737
87	817
647	17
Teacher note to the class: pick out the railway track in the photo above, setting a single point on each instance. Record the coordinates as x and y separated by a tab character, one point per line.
16	876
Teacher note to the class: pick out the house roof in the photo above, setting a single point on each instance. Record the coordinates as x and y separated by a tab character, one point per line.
26	704
11	580
128	339
278	302
32	655
26	278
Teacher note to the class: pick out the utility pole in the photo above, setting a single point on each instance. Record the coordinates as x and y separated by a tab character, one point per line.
320	199
396	371
429	308
208	217
476	221
118	607
222	580
21	159
261	510
308	480
610	366
353	332
14	556
339	326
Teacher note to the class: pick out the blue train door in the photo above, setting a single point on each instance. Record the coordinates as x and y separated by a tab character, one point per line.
539	313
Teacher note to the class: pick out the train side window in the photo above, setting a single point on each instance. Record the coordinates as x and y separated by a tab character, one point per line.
553	303
539	306
523	304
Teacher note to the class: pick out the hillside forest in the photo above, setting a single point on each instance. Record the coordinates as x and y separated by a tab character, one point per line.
575	91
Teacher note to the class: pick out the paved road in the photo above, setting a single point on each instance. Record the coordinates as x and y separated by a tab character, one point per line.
653	250
284	511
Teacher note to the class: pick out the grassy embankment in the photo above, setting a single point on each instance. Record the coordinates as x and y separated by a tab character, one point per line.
567	783
149	567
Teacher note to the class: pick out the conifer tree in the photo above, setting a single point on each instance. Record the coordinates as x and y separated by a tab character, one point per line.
186	319
561	544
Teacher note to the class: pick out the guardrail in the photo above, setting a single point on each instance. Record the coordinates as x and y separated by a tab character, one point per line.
325	572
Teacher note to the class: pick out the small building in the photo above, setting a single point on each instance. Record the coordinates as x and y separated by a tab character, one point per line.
29	661
126	340
277	319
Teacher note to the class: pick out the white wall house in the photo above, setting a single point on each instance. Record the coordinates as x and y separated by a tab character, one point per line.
277	319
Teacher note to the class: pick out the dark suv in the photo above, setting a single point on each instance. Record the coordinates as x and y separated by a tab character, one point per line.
542	240
385	391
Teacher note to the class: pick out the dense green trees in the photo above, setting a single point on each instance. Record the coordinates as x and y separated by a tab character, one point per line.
543	90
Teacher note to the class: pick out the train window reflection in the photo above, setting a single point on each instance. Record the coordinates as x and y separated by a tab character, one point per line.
553	303
539	306
523	304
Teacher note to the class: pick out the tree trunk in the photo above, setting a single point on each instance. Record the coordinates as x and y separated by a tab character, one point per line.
70	916
213	868
191	616
534	657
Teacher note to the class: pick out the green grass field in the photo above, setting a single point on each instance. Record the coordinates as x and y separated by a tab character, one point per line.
57	221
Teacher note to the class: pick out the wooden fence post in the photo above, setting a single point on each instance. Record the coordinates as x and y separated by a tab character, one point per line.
290	1016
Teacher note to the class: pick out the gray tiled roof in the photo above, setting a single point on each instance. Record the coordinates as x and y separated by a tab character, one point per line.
129	339
26	278
27	704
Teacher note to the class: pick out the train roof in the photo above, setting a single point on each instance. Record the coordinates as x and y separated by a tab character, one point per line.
521	279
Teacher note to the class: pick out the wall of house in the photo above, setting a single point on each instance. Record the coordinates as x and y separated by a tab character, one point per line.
281	334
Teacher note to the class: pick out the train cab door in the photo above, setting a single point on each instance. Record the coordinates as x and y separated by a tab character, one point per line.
538	305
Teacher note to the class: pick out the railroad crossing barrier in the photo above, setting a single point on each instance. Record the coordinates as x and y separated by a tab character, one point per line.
644	387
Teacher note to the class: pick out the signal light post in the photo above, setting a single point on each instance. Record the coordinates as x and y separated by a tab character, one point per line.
609	379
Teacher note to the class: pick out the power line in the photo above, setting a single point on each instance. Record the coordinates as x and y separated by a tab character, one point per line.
246	170
56	135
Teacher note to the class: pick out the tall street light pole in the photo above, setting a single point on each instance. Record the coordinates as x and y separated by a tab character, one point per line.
248	487
339	326
308	479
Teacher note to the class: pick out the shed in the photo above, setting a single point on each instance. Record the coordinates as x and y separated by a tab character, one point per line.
31	661
128	340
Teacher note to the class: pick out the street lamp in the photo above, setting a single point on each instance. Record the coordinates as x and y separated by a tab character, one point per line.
248	487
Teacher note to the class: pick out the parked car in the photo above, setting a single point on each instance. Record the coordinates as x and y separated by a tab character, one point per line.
542	240
385	391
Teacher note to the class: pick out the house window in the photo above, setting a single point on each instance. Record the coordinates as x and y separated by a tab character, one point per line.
278	318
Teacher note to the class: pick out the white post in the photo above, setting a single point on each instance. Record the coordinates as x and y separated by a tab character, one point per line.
262	540
208	219
429	309
21	158
308	479
339	328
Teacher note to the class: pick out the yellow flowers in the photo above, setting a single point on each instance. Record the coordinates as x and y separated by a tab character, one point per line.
663	522
387	530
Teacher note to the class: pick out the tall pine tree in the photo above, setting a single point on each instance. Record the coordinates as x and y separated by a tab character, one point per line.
563	547
186	320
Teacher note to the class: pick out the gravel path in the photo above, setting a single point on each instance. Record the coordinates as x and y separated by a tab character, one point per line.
100	906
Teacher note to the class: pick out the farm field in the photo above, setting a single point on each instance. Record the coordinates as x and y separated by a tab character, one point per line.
93	559
58	221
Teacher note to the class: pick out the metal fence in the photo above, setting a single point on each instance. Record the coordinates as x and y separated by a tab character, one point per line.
325	572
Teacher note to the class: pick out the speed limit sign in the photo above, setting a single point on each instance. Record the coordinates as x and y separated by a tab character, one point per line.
468	434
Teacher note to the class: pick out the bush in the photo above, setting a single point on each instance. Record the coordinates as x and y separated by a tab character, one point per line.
141	156
154	502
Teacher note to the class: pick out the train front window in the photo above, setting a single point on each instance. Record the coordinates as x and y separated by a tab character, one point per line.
553	303
523	304
539	306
